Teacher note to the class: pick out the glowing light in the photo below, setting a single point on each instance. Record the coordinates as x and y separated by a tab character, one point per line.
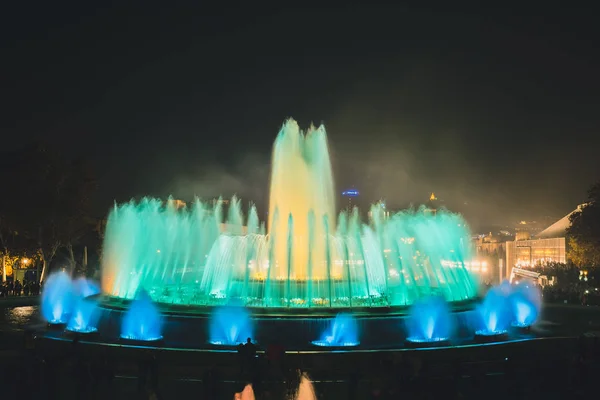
342	332
429	321
57	298
495	311
230	326
526	305
142	321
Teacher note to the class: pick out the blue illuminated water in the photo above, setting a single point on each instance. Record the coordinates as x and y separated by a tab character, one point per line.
429	321
230	326
495	311
85	316
526	302
342	332
86	313
143	320
58	298
85	287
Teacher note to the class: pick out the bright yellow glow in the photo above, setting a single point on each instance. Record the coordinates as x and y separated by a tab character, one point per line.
298	196
25	261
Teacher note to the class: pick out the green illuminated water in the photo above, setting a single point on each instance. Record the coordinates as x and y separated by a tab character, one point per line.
307	259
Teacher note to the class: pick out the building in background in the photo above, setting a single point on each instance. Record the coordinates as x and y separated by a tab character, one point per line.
433	204
547	246
490	250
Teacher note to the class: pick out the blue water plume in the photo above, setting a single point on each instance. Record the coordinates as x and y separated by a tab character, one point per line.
143	320
86	313
230	326
429	321
58	298
85	316
495	311
342	332
526	302
85	287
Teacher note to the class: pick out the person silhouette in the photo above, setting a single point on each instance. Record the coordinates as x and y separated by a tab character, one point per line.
249	356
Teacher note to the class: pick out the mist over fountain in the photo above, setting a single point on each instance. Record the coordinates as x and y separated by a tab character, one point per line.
308	257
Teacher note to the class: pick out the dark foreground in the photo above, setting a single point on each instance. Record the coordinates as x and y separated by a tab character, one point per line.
547	368
554	368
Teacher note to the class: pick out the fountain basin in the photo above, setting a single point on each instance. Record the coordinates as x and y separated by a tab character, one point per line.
57	325
416	342
152	341
486	336
85	331
326	343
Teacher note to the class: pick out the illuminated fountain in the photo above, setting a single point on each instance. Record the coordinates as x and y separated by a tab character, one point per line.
230	326
526	302
495	313
308	258
86	313
58	298
429	322
142	321
342	332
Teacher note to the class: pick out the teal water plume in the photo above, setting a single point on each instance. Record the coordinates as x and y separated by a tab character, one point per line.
306	257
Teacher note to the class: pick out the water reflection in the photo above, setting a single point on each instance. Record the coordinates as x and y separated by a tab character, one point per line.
17	318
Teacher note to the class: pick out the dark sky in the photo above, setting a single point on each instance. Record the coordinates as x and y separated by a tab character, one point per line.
497	108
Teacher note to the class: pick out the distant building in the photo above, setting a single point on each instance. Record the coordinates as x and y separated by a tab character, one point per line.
433	204
547	246
490	250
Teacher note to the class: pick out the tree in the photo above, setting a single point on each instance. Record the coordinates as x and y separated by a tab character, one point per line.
566	274
584	232
47	200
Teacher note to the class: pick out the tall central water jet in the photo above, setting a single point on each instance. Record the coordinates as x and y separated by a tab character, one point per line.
301	198
308	257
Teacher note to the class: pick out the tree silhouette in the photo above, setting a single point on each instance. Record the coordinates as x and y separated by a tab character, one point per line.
46	201
584	232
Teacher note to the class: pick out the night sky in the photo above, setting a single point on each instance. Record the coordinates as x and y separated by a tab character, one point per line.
496	108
